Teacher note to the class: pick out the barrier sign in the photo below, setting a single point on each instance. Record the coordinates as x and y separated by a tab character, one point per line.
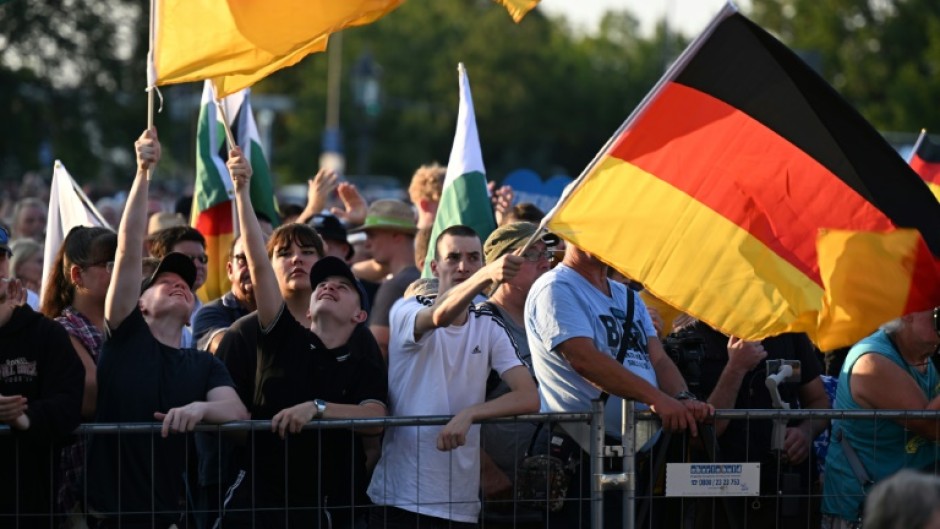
712	479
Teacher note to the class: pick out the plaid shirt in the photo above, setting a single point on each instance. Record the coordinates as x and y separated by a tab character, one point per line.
73	455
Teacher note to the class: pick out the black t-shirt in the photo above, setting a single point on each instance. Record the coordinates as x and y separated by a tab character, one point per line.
217	314
296	367
389	292
137	376
750	440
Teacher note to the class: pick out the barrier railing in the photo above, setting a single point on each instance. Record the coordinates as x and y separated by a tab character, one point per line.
639	483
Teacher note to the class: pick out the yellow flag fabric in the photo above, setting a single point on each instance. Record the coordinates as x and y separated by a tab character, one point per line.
518	8
237	43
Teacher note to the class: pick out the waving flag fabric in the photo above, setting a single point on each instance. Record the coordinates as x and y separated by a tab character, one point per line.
213	195
464	198
518	8
722	189
925	160
238	43
68	207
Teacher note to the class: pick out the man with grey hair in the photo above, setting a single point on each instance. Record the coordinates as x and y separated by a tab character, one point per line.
906	500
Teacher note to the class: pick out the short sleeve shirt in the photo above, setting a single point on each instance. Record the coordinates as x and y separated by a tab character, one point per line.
563	305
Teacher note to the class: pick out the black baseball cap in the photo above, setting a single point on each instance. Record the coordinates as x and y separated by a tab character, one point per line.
330	266
178	263
330	228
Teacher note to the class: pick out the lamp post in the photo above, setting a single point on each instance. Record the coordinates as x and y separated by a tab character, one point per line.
331	151
367	95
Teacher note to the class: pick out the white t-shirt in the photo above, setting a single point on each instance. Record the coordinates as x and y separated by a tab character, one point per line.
562	305
440	374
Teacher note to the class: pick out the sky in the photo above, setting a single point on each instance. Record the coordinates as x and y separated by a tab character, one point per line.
686	16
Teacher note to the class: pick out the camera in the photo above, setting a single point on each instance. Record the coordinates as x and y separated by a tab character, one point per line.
687	350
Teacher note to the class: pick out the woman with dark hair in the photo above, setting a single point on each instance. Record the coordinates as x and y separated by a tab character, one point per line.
78	283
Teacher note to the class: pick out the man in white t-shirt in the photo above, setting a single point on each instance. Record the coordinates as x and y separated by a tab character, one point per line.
440	354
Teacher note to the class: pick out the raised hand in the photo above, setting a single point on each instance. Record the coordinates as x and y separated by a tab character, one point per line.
354	205
147	150
744	356
239	168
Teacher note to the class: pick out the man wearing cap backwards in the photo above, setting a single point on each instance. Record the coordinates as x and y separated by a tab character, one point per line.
143	375
390	237
440	356
308	373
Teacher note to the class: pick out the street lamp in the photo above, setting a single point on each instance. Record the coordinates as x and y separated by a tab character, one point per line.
367	96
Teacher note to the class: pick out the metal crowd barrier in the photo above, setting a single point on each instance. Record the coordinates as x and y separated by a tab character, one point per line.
649	507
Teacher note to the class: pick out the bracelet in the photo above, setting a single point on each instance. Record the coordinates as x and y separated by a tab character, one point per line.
685	395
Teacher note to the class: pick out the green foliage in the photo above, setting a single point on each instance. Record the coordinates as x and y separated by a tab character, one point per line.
544	97
881	55
72	74
68	85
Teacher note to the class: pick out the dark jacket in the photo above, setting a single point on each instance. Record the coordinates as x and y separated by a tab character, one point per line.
37	361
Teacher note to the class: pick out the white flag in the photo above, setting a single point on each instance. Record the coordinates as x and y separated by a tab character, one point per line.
68	207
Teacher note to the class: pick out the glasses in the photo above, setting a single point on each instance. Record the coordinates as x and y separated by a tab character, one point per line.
534	256
199	258
108	265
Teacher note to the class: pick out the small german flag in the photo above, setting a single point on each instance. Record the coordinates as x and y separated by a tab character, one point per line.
925	159
742	168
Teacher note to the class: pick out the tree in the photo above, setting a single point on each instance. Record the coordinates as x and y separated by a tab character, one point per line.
544	97
881	55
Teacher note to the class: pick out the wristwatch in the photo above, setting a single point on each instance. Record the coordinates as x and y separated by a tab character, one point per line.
321	408
686	395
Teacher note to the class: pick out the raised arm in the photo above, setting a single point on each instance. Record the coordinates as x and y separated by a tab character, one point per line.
267	293
451	305
128	273
318	193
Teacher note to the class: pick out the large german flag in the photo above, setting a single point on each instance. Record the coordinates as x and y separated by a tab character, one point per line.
926	161
718	188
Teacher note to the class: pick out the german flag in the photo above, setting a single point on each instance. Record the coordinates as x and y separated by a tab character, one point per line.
925	160
718	189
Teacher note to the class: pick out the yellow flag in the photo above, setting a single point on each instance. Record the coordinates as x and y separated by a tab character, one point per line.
236	43
518	8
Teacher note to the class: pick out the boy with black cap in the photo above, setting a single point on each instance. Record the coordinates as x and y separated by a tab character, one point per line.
296	375
143	375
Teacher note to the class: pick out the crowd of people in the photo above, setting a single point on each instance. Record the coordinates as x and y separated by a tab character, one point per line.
327	318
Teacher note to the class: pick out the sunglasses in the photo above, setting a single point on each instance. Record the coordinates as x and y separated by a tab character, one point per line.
534	256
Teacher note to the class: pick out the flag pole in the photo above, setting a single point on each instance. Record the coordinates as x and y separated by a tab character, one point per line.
151	75
229	137
916	147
